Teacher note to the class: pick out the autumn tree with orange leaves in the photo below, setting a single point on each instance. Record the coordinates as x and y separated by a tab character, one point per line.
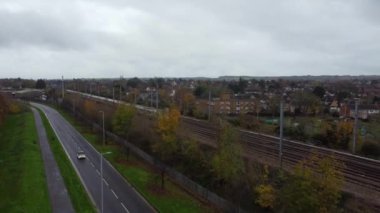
167	125
167	146
90	109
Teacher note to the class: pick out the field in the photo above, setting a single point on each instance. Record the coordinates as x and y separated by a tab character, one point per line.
23	185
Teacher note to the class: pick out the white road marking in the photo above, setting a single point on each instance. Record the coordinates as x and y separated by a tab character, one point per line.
124	207
105	182
92	164
113	192
97	171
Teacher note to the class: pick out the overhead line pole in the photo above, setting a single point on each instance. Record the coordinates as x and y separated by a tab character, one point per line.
281	130
63	89
355	125
209	104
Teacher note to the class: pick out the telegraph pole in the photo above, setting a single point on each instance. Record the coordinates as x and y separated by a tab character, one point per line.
355	125
156	94
281	129
209	104
63	89
157	99
113	94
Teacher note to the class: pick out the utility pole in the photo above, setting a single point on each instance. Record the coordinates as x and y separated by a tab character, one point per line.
63	89
120	88
281	129
113	94
355	125
151	97
120	92
209	104
157	99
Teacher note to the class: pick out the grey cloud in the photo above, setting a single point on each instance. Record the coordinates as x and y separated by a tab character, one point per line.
190	38
32	29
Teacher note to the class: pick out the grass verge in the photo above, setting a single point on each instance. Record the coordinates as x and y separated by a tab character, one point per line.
78	195
142	176
23	185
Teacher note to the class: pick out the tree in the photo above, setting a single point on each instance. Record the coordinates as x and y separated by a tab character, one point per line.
167	126
315	186
319	91
266	193
238	87
344	132
306	102
3	108
274	105
193	158
90	109
122	120
200	91
40	84
134	82
227	163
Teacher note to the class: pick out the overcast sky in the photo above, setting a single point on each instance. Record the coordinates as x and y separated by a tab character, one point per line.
188	38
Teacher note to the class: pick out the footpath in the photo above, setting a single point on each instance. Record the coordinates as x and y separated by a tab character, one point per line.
59	197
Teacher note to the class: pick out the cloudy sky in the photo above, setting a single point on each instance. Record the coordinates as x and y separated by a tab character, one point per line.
182	38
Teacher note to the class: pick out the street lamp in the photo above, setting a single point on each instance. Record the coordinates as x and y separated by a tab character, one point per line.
101	179
104	136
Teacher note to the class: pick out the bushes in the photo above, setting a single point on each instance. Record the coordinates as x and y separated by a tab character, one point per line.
371	149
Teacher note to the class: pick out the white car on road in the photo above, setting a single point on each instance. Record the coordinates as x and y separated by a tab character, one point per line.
81	155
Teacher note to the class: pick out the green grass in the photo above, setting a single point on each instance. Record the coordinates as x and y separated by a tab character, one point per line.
78	195
23	185
142	177
172	199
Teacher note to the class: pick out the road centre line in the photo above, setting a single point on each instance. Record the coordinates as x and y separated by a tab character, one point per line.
105	182
113	192
125	208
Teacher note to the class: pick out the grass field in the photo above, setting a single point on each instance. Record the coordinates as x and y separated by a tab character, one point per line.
23	185
78	195
143	178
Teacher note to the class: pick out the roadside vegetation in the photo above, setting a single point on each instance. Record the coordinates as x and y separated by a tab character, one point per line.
78	194
222	170
143	177
23	185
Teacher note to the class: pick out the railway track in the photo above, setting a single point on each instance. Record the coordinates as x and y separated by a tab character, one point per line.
360	174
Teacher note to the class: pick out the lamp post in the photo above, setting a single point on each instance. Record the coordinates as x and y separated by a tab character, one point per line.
281	129
101	179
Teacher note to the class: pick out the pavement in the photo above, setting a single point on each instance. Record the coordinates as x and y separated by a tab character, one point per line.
118	194
59	197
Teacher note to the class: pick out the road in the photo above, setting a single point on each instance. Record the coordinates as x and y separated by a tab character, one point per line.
119	195
59	197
